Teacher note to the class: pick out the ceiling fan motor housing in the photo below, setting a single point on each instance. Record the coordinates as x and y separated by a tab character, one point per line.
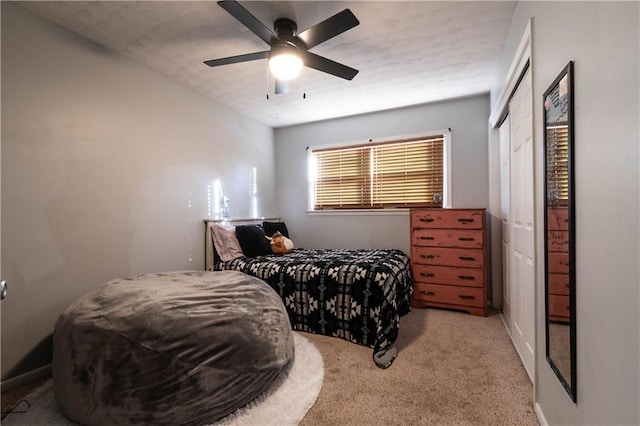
286	41
285	28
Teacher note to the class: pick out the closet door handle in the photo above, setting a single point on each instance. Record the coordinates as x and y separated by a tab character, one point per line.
3	289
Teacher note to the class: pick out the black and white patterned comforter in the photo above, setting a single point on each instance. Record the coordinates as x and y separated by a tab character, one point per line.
357	295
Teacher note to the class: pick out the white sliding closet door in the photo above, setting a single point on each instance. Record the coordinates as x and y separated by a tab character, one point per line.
522	233
505	212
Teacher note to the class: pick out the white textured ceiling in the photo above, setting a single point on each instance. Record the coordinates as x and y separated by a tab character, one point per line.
408	53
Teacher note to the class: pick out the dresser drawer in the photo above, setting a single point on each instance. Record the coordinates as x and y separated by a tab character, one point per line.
558	263
558	241
558	219
467	277
460	238
466	258
447	218
559	284
450	295
558	306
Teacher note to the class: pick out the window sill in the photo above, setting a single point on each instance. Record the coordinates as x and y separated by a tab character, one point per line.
360	212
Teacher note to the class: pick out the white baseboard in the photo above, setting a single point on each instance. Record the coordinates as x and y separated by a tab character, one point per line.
25	378
505	321
540	414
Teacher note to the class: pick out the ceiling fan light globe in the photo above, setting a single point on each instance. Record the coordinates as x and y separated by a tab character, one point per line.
285	66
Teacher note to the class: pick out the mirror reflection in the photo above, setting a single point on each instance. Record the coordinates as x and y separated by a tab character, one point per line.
559	221
558	289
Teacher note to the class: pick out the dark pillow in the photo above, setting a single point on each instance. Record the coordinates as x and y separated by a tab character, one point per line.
253	240
271	228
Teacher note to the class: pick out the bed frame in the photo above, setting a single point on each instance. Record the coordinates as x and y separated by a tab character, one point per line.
210	255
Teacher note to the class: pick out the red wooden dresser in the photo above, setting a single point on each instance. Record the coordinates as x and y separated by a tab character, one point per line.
448	259
558	266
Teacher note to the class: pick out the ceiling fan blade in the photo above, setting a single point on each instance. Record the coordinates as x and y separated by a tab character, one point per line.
323	64
248	20
238	58
282	87
329	28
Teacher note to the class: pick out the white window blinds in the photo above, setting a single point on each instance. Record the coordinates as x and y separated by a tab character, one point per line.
405	173
558	166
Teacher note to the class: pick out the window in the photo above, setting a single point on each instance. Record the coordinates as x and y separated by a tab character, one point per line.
393	174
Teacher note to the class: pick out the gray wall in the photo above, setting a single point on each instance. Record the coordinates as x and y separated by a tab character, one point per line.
602	38
467	119
106	168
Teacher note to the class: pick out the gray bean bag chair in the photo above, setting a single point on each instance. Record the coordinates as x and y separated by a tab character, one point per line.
175	348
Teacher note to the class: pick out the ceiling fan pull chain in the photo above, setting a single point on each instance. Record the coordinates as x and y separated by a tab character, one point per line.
304	85
267	68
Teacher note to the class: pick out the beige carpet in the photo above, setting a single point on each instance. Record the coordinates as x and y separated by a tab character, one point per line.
453	369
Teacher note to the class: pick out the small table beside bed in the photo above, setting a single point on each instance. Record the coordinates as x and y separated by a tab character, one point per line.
354	294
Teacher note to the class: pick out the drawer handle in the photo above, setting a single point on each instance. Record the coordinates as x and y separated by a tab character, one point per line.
466	239
429	256
466	278
428	293
466	297
464	220
427	238
467	258
426	274
426	219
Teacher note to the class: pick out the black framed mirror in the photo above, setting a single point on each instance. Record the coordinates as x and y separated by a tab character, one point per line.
559	225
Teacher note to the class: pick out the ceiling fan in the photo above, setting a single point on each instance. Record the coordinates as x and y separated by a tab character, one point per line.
289	49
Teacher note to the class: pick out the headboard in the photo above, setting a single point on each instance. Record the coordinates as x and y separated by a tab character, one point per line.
210	255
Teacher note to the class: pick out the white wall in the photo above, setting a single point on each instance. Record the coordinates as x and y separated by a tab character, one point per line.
603	40
467	119
106	168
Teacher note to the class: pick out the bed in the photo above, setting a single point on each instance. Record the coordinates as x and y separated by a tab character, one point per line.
354	294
